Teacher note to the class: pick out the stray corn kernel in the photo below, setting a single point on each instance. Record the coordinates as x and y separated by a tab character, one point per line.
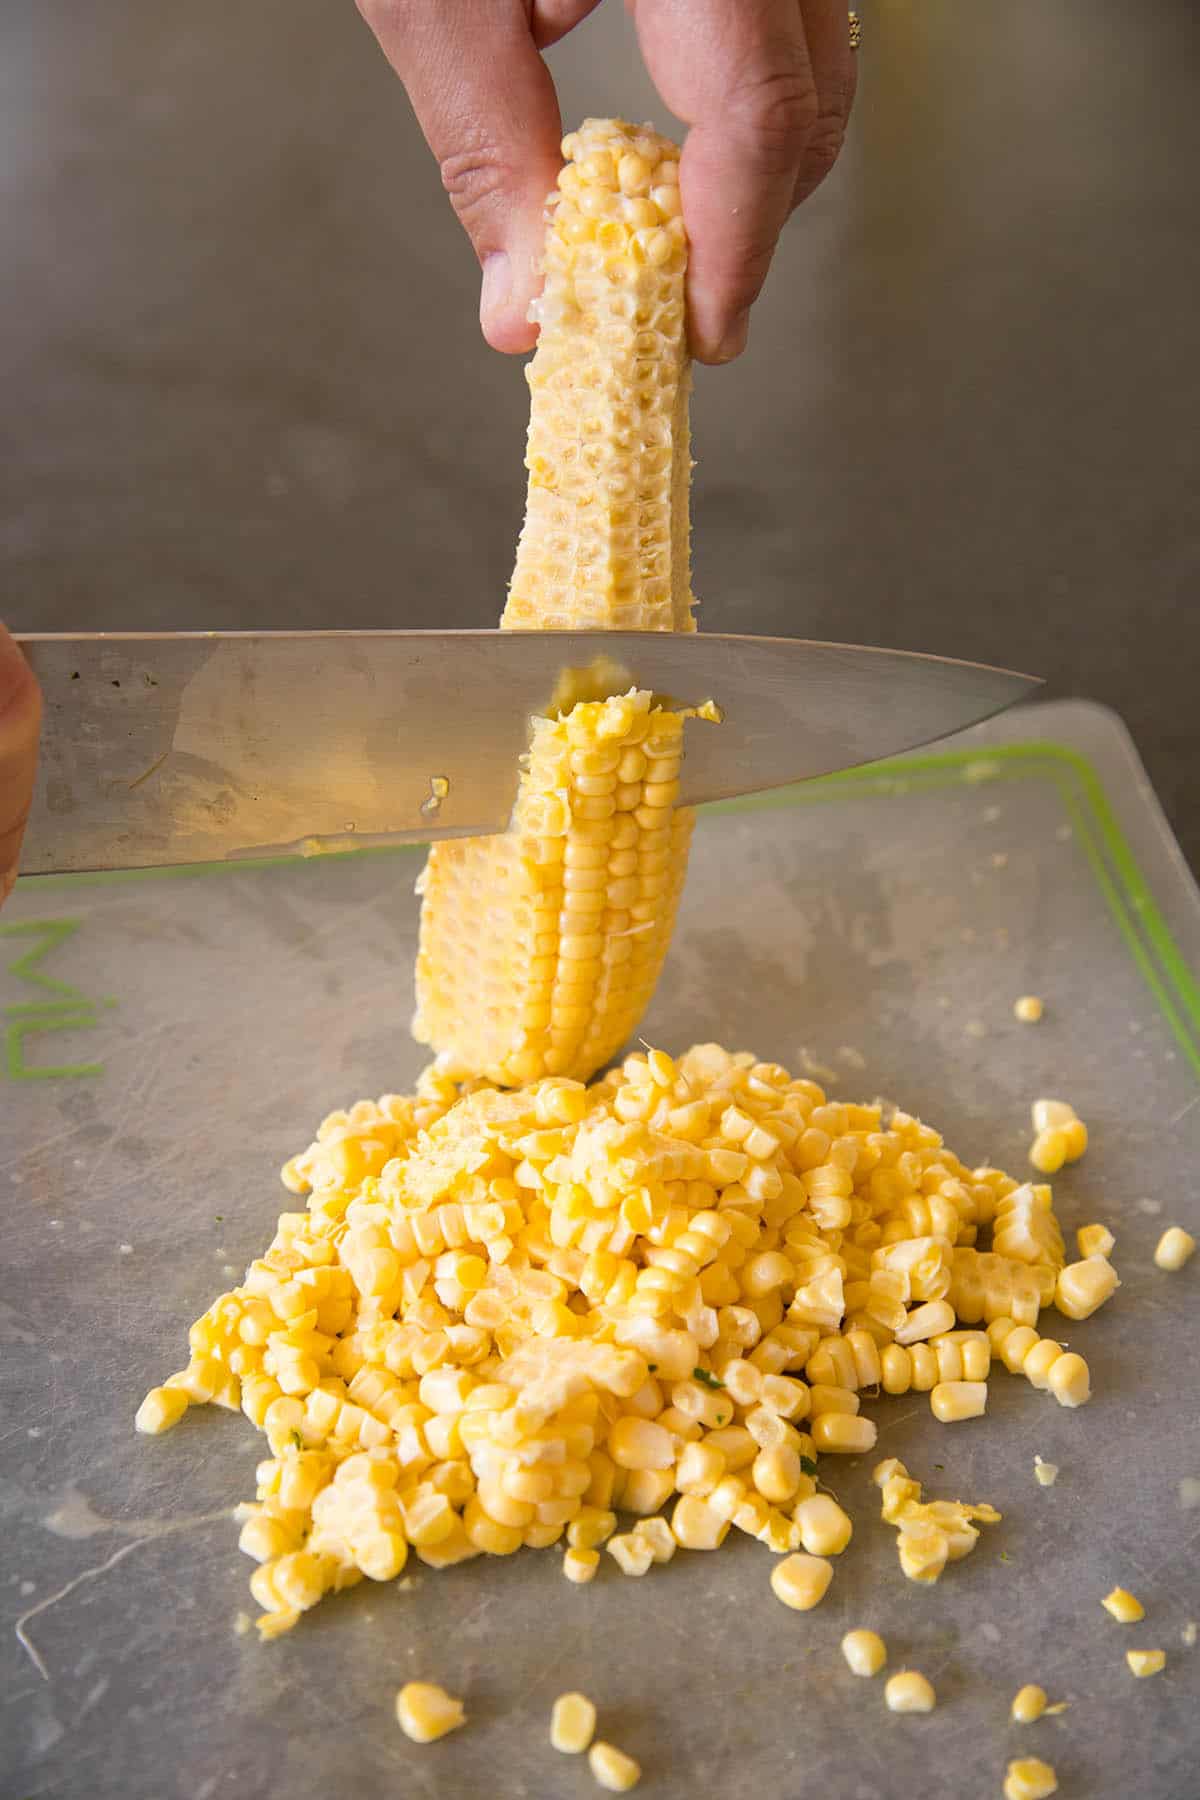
572	1723
1029	1778
1044	1473
162	1408
1061	1136
580	1566
632	1554
426	1712
931	1533
1029	1703
1049	1115
1174	1248
1048	1152
864	1651
1095	1240
1146	1662
1123	1606
801	1581
612	1769
909	1692
1084	1286
1029	1009
1189	1634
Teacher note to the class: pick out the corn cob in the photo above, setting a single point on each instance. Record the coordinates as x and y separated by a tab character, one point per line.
540	949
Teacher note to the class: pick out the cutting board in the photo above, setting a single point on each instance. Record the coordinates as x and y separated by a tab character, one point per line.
169	1039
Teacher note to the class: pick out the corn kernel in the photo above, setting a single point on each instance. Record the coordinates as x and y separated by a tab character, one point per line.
655	1535
699	1469
636	1443
1049	1115
696	1526
801	1581
777	1474
1174	1248
1029	1778
426	1712
951	1401
612	1769
1075	1138
591	1526
909	1692
865	1652
1084	1286
572	1723
1146	1662
825	1529
162	1408
1044	1473
1028	1009
844	1434
1095	1240
1124	1606
1028	1704
1069	1380
923	1553
580	1566
631	1554
1048	1152
926	1321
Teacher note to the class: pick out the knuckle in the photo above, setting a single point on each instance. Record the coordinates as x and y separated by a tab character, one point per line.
475	177
781	107
824	146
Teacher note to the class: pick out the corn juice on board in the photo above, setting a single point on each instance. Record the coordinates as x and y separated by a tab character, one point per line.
194	1030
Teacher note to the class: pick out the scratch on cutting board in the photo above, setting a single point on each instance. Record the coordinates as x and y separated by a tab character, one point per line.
110	1562
1184	1110
902	1419
145	776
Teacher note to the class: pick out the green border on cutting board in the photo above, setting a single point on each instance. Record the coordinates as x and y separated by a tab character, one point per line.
1118	875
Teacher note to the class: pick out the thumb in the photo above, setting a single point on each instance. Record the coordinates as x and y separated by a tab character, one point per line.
20	719
486	104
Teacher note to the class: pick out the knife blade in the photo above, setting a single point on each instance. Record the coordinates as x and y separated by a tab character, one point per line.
200	746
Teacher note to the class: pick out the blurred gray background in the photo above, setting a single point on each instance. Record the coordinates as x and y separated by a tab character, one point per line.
243	385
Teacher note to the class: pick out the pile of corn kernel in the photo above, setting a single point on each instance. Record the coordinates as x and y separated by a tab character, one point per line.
506	1317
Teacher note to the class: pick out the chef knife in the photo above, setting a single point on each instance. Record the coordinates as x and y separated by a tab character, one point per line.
199	746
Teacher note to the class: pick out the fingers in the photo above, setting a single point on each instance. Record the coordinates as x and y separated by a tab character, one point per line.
741	77
486	103
834	67
20	719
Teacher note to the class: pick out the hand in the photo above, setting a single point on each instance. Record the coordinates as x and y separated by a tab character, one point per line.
20	718
764	85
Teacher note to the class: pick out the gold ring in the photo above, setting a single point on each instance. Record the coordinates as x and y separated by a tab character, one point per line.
855	31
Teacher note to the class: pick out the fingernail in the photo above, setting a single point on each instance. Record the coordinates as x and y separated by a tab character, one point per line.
734	341
496	288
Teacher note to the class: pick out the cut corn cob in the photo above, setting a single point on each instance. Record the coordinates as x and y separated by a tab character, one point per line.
540	949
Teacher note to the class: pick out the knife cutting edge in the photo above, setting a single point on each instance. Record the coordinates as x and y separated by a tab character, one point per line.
200	746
